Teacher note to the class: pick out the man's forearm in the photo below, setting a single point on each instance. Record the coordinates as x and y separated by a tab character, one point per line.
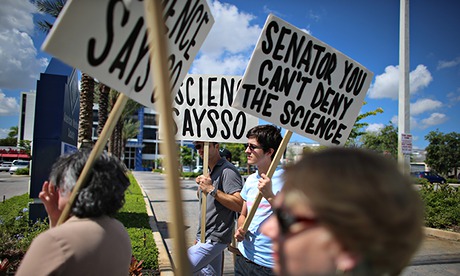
233	202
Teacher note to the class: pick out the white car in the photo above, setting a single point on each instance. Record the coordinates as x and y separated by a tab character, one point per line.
18	164
5	167
198	169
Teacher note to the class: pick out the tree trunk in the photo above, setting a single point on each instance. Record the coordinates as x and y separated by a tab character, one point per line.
86	111
103	102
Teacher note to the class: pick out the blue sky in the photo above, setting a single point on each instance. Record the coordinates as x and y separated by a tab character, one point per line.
366	31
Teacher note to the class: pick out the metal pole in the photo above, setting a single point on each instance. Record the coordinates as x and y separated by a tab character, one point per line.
404	95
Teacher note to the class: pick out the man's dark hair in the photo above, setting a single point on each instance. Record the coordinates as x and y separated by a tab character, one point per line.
225	153
268	136
103	193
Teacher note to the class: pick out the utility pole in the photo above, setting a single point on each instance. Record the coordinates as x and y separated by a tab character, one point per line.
404	95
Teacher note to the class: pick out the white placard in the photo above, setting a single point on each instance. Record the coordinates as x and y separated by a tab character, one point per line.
203	110
107	39
297	82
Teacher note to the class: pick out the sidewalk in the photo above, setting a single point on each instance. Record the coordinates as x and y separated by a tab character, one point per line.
439	254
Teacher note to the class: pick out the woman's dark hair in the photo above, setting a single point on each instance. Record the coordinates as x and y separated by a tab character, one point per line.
103	193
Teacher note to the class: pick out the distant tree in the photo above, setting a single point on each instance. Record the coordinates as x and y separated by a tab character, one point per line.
130	130
14	130
237	151
186	156
384	141
103	111
443	152
358	128
8	142
25	146
116	139
11	140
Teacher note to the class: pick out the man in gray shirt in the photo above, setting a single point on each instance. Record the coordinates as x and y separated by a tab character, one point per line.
222	190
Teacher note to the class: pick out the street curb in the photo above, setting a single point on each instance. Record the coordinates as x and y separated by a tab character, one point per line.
443	234
164	258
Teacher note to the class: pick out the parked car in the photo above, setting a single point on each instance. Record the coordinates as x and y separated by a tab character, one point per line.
198	169
18	164
5	166
430	176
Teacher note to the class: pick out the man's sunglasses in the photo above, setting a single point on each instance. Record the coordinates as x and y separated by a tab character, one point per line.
286	220
252	147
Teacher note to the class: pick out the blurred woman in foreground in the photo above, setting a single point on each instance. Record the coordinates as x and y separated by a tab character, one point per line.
345	210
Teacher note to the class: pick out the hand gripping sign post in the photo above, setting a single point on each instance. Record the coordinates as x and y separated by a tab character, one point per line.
295	81
119	52
203	112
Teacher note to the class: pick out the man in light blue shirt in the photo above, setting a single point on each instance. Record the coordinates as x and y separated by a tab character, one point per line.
255	256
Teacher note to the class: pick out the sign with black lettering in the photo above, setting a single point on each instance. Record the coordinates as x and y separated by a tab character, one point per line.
107	39
297	82
203	110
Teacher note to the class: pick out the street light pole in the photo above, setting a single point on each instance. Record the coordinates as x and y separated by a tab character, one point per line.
404	95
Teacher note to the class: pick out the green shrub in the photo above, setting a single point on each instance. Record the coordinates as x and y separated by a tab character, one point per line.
16	233
442	205
22	171
134	217
190	174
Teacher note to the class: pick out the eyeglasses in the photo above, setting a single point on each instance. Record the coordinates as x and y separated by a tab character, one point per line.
286	220
252	147
198	146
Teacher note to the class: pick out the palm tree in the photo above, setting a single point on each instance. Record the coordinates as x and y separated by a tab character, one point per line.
53	8
103	111
85	130
117	141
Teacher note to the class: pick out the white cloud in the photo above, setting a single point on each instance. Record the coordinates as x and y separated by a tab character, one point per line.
423	105
227	66
448	63
386	85
17	14
4	133
229	44
412	122
20	66
8	105
374	127
453	97
433	120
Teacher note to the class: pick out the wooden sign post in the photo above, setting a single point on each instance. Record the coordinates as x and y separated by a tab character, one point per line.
203	194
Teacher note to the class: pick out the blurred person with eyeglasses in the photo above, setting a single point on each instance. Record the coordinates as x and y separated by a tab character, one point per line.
222	190
255	255
346	211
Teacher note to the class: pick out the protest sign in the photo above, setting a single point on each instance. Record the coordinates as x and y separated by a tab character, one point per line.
296	81
203	111
107	39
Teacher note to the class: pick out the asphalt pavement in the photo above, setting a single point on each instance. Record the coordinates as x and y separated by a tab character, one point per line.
437	256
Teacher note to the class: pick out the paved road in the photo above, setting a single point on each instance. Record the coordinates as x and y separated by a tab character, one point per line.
11	185
155	188
435	257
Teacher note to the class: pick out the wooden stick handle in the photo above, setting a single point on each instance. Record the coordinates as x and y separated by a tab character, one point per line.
160	74
204	196
271	171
